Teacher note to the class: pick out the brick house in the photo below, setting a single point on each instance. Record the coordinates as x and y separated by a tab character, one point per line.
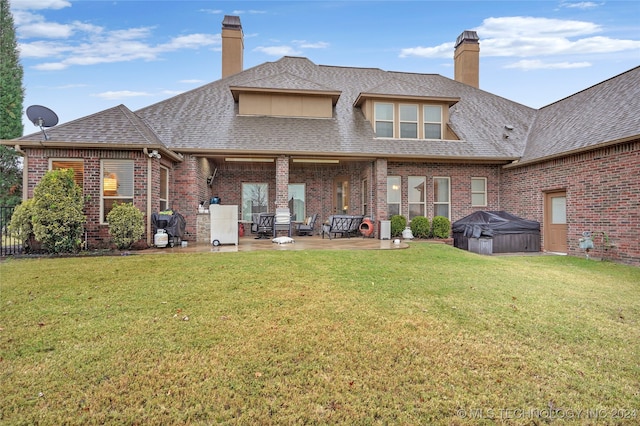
329	139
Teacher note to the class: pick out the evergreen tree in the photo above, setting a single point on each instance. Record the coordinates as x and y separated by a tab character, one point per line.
11	99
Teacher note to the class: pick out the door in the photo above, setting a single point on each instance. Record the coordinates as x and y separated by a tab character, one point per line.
555	222
341	196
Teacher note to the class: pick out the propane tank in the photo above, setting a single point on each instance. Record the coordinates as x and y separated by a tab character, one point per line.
241	230
161	238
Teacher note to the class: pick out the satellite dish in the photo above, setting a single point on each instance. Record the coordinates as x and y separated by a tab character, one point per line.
42	117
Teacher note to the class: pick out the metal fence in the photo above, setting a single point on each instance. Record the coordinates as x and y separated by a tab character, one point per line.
10	245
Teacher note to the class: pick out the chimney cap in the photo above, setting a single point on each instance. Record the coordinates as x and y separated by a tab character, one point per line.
467	36
231	22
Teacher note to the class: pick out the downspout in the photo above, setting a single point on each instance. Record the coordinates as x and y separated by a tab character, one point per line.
149	189
25	172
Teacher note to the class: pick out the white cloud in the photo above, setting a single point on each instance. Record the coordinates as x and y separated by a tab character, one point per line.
581	5
191	41
528	64
122	94
444	50
39	4
191	81
51	30
277	50
529	37
526	26
309	45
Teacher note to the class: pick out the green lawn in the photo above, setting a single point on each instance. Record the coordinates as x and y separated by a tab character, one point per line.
423	336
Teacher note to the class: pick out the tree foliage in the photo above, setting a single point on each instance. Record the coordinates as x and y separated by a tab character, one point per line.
11	100
58	218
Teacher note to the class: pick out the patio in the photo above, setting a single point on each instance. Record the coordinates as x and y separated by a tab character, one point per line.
315	242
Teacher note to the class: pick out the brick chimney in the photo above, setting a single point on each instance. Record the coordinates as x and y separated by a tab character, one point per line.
466	59
232	45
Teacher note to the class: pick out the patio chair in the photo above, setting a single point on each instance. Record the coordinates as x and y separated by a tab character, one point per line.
282	221
265	225
306	228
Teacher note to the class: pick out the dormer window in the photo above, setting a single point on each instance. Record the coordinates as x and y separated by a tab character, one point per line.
408	121
414	121
408	116
432	121
384	120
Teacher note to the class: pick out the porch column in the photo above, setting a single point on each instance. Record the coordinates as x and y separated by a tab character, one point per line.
282	182
380	189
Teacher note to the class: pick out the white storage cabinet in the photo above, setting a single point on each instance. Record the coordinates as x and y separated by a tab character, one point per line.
224	224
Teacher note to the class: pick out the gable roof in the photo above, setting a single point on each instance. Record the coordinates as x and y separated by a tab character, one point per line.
204	121
213	126
114	126
600	115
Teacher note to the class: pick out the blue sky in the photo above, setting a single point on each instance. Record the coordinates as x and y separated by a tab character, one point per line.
81	57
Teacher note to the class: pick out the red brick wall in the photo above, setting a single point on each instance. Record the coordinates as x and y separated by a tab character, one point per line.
37	163
603	195
460	180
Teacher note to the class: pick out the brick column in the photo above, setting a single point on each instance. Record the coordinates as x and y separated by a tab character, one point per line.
282	182
380	189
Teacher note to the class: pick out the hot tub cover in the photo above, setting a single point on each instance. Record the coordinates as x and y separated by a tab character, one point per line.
489	223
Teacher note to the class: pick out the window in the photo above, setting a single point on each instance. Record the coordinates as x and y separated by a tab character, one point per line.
255	199
116	184
432	122
365	197
441	197
164	189
76	165
394	196
384	120
479	192
416	193
409	121
297	204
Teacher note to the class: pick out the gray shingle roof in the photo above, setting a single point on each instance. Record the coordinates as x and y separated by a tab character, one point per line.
117	125
213	126
604	113
205	120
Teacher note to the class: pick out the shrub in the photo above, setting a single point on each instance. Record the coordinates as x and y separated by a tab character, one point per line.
126	225
440	227
420	227
21	225
58	219
398	223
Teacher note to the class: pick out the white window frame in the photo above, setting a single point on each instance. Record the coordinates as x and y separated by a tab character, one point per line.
298	215
365	196
125	198
394	186
404	121
425	122
437	202
80	180
411	191
164	198
380	120
478	192
262	207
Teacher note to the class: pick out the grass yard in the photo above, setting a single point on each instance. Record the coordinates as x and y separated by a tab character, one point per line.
430	335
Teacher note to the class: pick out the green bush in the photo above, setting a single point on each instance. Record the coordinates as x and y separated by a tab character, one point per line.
398	223
21	225
58	218
126	225
440	227
420	227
